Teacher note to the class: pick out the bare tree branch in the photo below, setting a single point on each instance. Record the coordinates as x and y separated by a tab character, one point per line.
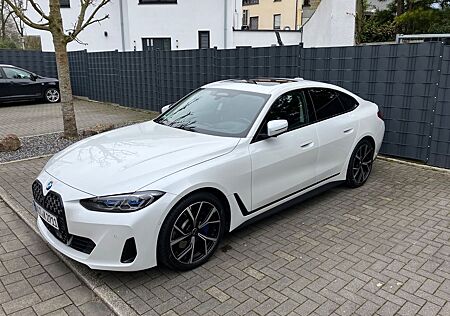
38	9
81	23
20	13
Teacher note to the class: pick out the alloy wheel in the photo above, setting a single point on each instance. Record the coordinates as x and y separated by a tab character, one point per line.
362	164
52	95
195	232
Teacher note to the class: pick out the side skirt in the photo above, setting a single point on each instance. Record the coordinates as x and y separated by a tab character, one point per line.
286	204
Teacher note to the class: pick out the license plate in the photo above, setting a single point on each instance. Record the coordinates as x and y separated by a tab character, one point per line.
46	216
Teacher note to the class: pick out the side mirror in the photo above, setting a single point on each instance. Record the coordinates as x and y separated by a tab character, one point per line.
276	127
33	77
165	108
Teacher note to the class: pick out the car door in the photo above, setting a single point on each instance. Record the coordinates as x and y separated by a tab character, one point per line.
5	86
283	165
337	128
21	83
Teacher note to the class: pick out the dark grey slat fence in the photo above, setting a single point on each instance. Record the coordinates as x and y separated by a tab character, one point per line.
411	83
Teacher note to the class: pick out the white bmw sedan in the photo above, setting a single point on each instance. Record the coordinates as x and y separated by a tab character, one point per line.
167	190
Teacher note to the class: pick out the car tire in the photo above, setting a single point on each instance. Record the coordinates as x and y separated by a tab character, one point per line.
52	95
360	164
191	232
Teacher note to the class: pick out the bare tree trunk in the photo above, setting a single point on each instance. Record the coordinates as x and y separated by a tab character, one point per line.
62	62
400	7
3	31
2	21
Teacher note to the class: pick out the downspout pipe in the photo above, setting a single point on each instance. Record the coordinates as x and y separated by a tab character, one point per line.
122	31
225	21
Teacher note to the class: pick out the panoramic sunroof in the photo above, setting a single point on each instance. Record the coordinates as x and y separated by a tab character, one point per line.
266	81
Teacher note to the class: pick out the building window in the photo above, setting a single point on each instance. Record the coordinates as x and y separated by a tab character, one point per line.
276	21
157	1
306	3
245	17
249	2
203	39
254	20
64	3
156	43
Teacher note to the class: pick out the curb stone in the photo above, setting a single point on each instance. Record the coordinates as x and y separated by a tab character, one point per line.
414	164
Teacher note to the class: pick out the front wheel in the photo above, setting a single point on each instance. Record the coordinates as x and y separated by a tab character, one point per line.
52	95
191	232
360	164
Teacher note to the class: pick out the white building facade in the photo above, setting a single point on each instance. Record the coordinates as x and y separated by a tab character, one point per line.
191	24
140	24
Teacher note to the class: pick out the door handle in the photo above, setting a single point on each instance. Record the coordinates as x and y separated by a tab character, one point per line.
348	131
307	145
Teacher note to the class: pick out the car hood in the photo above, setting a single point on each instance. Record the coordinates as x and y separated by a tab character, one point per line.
129	158
47	79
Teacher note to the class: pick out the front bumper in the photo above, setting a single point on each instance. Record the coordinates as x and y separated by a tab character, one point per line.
109	231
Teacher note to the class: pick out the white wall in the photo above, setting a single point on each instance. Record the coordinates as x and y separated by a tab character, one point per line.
92	38
265	38
181	22
333	24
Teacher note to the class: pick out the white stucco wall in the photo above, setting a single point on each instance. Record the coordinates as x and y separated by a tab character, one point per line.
265	38
333	24
93	37
181	22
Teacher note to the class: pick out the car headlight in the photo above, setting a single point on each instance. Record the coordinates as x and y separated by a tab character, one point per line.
122	203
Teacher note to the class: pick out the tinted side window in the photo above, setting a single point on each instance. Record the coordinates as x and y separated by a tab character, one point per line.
326	103
348	102
291	107
14	73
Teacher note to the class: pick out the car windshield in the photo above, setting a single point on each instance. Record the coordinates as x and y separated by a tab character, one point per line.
220	112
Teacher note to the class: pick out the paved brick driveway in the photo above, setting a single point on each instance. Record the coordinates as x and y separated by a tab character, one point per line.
34	119
33	281
382	249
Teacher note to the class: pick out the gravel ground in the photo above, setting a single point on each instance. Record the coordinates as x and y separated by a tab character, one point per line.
34	146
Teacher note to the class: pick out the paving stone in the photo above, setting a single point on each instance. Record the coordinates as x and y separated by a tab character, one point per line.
80	295
24	312
429	309
19	289
388	308
25	287
48	290
409	309
95	308
218	294
52	304
20	303
67	281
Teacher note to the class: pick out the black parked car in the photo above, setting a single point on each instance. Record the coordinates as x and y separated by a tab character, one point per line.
17	84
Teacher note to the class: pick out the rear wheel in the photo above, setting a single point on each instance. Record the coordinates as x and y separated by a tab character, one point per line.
52	95
191	232
360	164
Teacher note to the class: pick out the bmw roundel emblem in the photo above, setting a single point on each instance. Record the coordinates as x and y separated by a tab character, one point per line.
49	185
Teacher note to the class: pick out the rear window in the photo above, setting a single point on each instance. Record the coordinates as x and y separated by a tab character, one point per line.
349	103
326	103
